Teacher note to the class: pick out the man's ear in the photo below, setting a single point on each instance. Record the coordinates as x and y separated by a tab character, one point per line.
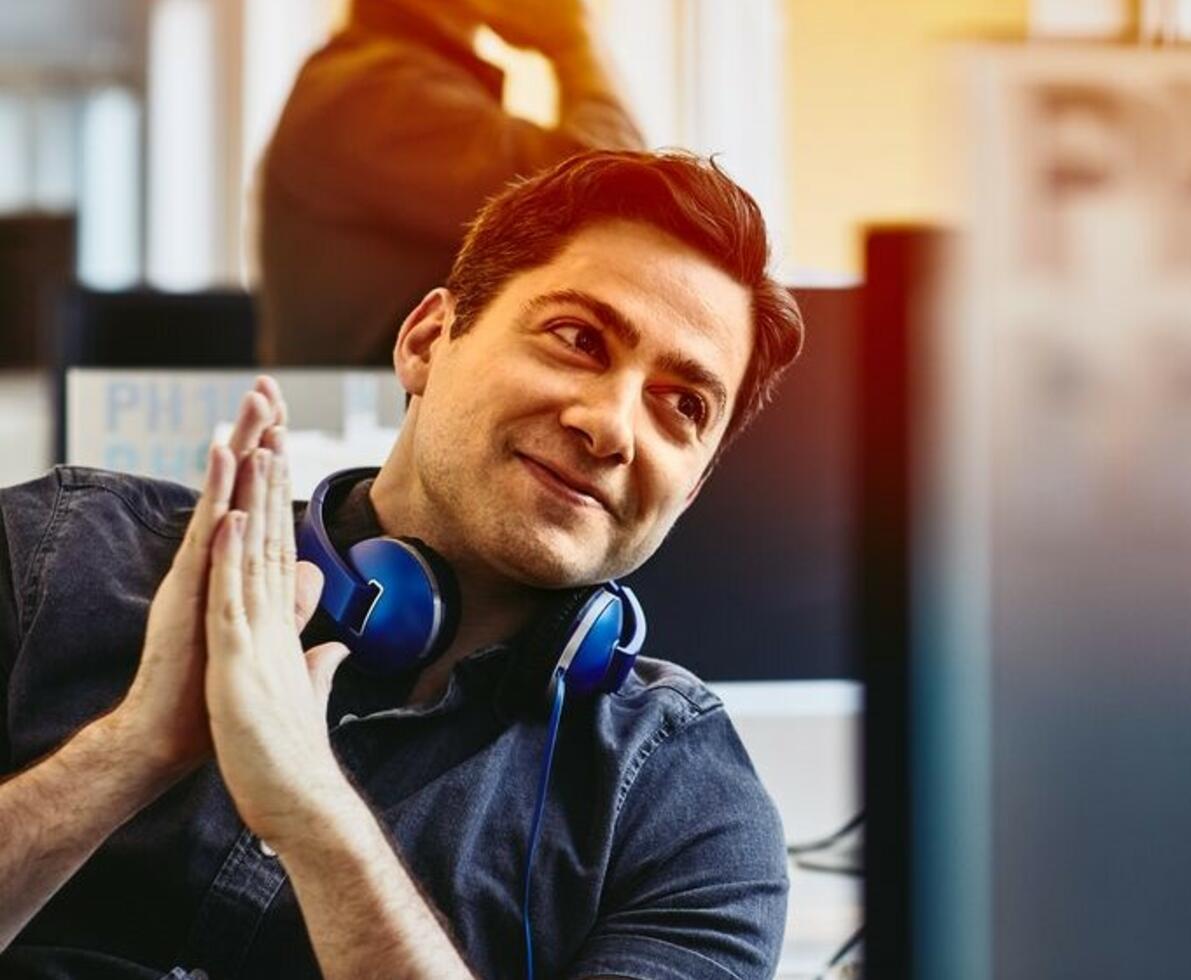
426	324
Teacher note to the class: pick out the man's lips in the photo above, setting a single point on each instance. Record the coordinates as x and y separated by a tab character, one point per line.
579	490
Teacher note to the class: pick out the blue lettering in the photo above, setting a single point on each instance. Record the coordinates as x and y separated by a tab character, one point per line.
121	396
121	456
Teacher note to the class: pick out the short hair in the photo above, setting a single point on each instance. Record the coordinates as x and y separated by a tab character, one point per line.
689	197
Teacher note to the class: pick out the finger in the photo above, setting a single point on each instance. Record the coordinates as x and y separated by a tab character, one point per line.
269	387
308	586
275	440
321	663
250	496
255	415
226	620
279	548
212	504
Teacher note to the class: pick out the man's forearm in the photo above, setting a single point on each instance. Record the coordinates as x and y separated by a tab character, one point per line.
364	913
55	814
589	104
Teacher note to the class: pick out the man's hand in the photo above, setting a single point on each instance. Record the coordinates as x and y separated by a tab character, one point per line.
268	706
164	709
550	26
267	700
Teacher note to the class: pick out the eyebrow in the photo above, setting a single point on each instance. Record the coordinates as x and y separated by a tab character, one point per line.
628	334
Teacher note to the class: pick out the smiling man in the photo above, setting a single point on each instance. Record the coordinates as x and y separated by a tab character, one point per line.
590	392
607	329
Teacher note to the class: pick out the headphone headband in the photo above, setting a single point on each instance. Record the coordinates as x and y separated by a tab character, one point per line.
347	598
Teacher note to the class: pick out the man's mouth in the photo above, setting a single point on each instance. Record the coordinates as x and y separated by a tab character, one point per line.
569	487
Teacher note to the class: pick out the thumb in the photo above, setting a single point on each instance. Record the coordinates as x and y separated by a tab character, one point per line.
308	587
321	663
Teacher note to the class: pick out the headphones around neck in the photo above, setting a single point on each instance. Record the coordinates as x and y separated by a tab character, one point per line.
394	602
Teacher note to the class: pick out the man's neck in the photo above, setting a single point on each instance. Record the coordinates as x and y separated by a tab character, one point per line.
494	608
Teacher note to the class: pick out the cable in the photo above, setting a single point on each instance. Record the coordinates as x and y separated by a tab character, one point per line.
831	869
560	689
818	845
810	847
843	951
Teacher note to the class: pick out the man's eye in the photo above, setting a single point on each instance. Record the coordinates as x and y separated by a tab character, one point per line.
581	337
691	406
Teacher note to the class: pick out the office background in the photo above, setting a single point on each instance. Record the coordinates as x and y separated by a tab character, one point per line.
130	132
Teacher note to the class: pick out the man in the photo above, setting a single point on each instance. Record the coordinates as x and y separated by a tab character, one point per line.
392	138
607	328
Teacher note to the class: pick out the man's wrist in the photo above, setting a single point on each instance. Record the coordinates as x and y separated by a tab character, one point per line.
144	755
138	752
325	809
363	910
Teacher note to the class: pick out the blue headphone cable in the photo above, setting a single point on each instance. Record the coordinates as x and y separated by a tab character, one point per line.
560	689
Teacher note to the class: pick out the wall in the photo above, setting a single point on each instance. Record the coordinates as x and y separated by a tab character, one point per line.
864	102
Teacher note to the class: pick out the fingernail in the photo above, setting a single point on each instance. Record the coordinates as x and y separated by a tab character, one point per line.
261	460
238	521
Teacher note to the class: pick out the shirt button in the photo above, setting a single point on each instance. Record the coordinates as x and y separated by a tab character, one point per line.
266	850
198	975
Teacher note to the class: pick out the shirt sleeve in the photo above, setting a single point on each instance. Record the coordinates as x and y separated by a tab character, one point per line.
25	513
373	132
698	882
9	641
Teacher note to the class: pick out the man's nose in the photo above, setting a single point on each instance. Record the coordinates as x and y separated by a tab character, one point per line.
603	414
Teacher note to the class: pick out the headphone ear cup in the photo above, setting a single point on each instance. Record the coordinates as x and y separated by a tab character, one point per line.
590	645
448	589
537	649
580	632
410	620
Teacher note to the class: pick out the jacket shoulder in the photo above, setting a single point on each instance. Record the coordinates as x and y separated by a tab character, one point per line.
652	679
31	511
161	505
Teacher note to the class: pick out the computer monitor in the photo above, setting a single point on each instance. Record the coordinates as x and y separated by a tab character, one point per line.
756	580
1026	536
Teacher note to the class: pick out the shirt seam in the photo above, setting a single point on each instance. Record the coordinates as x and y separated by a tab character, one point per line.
698	706
668	728
132	506
30	591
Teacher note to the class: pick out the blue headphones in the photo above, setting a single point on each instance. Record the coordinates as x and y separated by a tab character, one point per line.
395	604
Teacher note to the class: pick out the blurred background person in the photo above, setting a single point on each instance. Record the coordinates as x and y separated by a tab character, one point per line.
393	136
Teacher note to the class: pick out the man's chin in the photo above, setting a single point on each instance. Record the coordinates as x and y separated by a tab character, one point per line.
552	574
551	565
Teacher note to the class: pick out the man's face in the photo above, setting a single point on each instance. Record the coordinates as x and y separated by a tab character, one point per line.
558	440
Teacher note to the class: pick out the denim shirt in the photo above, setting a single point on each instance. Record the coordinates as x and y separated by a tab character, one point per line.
661	854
